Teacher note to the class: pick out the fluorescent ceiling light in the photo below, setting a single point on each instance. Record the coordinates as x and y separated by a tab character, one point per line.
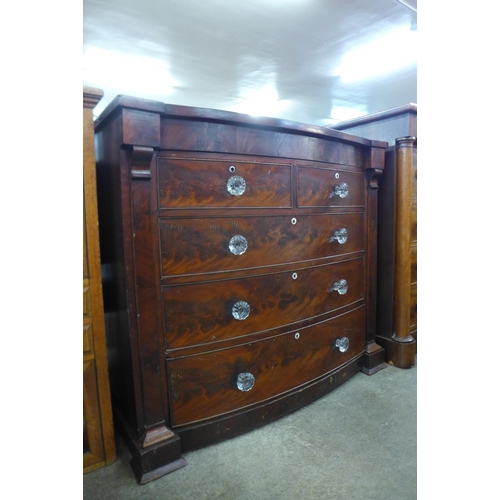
383	55
340	114
261	102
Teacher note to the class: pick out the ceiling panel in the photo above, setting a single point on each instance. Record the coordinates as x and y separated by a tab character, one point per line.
280	58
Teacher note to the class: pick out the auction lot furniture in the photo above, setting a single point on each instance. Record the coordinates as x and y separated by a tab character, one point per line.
239	267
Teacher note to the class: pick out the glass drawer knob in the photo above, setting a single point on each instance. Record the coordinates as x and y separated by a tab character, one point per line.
245	381
339	235
342	344
340	190
339	286
241	310
238	244
236	185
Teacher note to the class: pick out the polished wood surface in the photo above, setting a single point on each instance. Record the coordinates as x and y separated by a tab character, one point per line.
317	188
397	230
171	277
404	151
98	433
204	385
203	183
202	244
275	300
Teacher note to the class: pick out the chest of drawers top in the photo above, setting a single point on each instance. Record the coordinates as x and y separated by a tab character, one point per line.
141	122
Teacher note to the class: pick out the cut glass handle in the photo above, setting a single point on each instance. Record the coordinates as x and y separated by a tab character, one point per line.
245	381
339	235
238	244
241	310
342	344
236	185
339	286
340	190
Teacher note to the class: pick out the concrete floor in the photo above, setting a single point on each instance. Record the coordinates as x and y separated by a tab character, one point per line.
358	442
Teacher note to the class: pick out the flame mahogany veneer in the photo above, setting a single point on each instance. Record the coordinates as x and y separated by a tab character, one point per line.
231	297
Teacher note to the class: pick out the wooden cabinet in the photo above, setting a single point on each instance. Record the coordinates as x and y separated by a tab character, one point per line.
98	433
239	268
397	230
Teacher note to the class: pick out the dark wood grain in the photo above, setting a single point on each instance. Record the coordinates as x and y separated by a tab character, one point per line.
222	137
215	430
171	279
203	183
194	246
205	385
395	200
316	188
201	313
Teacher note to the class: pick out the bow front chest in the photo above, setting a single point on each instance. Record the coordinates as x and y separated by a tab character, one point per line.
239	270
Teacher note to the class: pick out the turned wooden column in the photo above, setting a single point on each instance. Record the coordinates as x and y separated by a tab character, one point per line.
402	353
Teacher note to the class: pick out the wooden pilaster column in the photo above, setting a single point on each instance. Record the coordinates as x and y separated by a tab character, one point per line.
402	351
374	359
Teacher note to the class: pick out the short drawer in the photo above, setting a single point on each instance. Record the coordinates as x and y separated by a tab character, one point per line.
207	312
206	385
190	183
320	187
207	245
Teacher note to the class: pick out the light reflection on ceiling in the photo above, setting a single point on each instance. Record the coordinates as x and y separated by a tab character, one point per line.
313	61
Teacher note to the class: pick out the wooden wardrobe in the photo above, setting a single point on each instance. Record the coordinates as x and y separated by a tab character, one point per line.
98	434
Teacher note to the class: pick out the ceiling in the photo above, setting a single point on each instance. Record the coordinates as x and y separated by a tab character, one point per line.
312	61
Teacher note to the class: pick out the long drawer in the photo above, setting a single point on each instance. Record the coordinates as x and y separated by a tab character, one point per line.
207	312
189	183
205	245
321	187
214	383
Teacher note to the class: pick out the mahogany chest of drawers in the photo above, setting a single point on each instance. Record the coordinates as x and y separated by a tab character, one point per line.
239	270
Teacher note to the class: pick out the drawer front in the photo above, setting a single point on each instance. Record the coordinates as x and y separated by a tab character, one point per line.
205	385
195	246
319	187
222	184
206	312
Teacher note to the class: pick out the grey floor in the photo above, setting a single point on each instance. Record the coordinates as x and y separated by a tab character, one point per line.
358	442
